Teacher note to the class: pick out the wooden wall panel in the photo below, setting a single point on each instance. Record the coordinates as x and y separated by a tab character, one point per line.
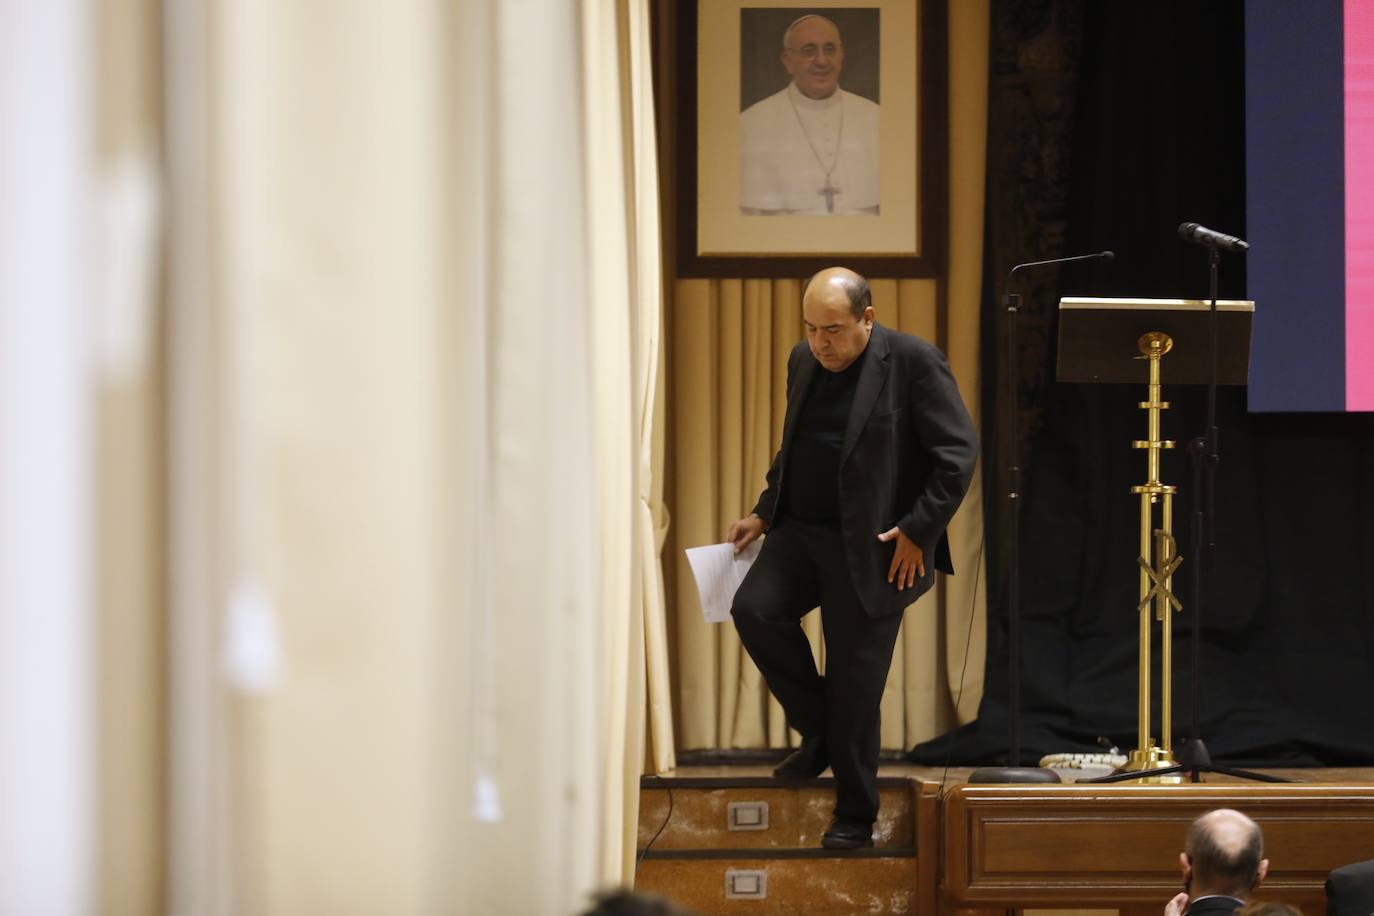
1110	846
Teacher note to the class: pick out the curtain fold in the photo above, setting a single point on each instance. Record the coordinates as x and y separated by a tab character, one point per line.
626	297
651	404
49	626
419	264
965	642
334	578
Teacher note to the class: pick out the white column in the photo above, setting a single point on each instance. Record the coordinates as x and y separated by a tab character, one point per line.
46	723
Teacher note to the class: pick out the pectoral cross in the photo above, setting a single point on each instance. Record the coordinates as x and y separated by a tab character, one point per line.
829	192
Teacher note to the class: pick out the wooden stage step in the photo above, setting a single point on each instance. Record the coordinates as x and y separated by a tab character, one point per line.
979	850
742	844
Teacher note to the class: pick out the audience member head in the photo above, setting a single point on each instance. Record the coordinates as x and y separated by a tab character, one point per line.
1224	854
631	903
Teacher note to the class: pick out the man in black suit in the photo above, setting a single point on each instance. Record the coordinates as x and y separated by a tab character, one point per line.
1350	890
1223	862
877	453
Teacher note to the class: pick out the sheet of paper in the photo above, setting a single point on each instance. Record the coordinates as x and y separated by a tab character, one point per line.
719	571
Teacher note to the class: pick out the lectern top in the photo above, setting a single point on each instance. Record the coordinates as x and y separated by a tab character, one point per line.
1099	340
1223	305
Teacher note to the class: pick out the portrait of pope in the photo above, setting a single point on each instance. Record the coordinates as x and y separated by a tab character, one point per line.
811	147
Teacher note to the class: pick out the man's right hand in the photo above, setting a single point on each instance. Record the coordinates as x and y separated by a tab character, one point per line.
744	532
1176	906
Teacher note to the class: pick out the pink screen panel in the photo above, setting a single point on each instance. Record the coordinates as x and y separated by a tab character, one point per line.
1359	205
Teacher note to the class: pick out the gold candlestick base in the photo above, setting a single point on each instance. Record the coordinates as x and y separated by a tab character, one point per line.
1151	758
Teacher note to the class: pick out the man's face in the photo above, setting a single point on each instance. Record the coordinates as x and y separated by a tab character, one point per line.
835	336
814	58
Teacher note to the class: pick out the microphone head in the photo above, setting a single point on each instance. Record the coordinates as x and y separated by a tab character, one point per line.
1108	256
1201	235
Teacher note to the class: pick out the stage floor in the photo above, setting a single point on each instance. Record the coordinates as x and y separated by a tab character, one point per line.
1327	776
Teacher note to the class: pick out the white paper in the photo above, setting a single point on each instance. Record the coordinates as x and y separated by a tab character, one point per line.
719	572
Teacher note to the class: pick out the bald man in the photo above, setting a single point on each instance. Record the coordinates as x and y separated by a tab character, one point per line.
811	148
877	453
1223	862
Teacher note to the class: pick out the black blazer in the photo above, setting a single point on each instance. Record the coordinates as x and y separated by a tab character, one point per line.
907	460
1350	890
1213	906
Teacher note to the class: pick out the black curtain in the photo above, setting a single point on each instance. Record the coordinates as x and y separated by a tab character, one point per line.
1109	124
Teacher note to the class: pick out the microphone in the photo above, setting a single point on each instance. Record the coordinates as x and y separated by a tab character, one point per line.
1097	256
1210	238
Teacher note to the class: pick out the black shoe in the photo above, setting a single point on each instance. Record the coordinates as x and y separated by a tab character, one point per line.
847	835
806	762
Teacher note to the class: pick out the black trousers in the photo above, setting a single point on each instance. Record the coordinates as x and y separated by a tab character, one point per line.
802	566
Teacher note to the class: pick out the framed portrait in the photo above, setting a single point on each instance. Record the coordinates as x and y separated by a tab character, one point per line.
810	135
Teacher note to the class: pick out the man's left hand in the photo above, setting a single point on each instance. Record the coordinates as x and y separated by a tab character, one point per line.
908	562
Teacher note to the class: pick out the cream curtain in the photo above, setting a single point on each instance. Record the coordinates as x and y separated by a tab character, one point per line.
414	358
82	705
331	388
47	512
627	299
730	340
130	476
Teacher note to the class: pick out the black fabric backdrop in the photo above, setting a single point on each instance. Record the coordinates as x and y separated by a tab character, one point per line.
1109	124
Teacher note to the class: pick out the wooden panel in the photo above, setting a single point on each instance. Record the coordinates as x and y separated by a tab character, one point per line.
1013	845
1114	846
796	817
927	846
840	885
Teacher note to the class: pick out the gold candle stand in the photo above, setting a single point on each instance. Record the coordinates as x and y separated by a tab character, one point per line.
1158	560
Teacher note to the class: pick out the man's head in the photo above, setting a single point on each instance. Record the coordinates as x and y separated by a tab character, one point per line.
837	310
1224	854
813	55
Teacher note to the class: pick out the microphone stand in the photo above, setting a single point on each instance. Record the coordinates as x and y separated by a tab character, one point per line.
1014	772
1204	452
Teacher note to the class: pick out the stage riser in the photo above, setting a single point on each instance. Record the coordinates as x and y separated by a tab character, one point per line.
797	886
1038	850
796	818
1065	845
695	851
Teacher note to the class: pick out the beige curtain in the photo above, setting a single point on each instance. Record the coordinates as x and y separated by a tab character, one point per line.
730	340
416	608
627	299
332	394
47	409
82	605
131	472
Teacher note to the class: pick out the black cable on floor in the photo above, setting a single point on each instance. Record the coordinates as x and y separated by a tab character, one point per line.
959	695
666	818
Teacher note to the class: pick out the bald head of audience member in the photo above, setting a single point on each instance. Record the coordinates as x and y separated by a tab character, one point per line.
1224	854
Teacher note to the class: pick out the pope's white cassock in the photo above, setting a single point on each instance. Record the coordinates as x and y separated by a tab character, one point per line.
788	143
